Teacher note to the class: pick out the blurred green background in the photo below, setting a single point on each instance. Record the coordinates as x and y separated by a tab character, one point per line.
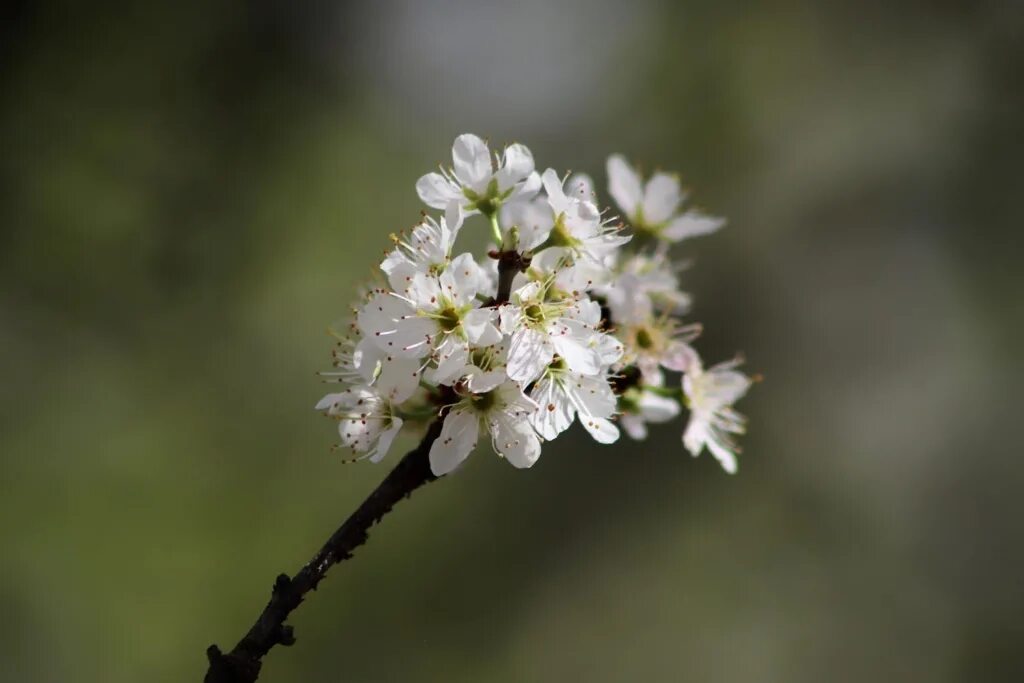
192	192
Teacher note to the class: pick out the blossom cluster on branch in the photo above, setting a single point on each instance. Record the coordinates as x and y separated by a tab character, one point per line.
574	315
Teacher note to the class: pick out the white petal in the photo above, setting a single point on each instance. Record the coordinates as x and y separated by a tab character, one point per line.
661	198
472	162
624	185
634	426
412	337
385	440
480	382
509	317
725	457
465	276
581	187
329	401
367	359
424	291
691	224
580	358
528	355
453	217
451	364
376	320
458	437
595	397
527	189
680	357
398	378
518	165
436	191
695	434
555	412
728	386
532	218
479	327
516	441
654	408
609	349
556	195
603	431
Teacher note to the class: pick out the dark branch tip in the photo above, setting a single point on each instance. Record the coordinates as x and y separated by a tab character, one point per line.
286	635
281	583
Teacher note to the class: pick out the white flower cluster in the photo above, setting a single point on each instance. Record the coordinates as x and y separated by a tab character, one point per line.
571	317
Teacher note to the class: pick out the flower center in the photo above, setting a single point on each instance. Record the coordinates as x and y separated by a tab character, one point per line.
448	319
560	235
484	402
481	358
534	313
489	201
644	339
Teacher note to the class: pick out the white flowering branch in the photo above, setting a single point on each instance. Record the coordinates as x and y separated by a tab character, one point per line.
572	317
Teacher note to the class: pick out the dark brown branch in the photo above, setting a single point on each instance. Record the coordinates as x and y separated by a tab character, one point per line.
510	262
242	664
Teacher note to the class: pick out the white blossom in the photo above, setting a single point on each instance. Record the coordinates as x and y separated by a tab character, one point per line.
504	413
644	285
641	407
563	395
476	182
428	250
654	207
539	328
710	394
367	422
562	319
435	315
658	342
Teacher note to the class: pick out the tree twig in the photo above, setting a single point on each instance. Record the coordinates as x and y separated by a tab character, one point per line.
510	262
242	664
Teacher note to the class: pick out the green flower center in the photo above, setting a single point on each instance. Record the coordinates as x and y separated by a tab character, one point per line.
449	319
534	313
484	402
489	201
644	339
560	235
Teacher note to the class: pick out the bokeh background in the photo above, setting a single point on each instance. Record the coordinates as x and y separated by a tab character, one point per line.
192	191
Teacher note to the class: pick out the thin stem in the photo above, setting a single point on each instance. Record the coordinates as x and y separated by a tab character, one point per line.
667	392
496	230
242	664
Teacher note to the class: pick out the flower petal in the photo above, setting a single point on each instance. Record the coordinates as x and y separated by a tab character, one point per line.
398	378
518	166
603	431
471	162
555	412
385	439
479	327
634	426
624	185
691	224
580	358
516	441
436	191
458	437
528	355
661	198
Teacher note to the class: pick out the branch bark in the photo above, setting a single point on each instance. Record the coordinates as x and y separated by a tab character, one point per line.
242	663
